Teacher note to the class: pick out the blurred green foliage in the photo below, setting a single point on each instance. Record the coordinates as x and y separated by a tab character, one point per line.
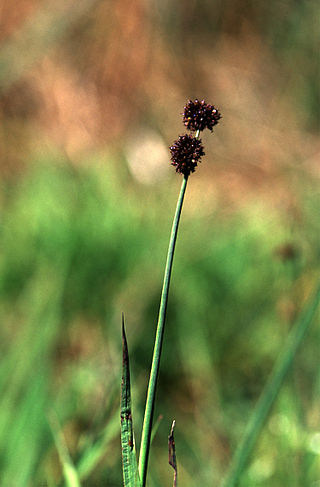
78	247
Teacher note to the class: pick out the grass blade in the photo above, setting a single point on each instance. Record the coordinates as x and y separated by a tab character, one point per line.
129	459
94	452
172	454
270	392
69	471
155	428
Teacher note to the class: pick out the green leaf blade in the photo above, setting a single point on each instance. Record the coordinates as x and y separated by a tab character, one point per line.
129	459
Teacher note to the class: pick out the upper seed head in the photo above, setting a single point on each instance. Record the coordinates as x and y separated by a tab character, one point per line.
199	115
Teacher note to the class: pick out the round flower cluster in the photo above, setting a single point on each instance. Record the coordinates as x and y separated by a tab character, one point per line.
187	150
199	115
186	153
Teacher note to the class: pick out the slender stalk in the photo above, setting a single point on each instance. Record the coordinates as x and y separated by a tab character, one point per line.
270	392
149	409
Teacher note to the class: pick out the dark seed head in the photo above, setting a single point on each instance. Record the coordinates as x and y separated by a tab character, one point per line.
198	115
186	153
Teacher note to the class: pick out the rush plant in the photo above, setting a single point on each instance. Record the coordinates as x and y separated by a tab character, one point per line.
186	153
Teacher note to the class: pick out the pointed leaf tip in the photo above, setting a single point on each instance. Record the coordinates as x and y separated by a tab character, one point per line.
125	386
125	354
124	338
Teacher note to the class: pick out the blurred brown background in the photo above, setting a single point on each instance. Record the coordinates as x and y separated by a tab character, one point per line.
78	76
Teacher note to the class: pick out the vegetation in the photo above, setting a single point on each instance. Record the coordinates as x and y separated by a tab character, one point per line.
84	232
73	251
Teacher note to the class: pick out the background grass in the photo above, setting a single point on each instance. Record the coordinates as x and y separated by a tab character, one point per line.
74	254
85	222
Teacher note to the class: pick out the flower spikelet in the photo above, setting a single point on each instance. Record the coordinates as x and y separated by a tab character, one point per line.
186	153
199	115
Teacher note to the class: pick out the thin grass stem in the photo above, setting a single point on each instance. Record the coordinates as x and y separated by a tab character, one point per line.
150	401
270	392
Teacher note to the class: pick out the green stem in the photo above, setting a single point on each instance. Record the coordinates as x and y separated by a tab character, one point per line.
149	409
270	393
